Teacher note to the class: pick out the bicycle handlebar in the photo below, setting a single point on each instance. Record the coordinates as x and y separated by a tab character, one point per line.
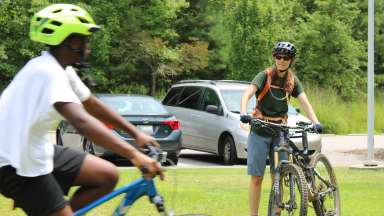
304	126
154	153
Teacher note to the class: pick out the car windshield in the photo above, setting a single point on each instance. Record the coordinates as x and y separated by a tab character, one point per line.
232	99
292	110
134	105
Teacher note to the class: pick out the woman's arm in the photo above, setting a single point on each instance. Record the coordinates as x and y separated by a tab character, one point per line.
249	92
307	108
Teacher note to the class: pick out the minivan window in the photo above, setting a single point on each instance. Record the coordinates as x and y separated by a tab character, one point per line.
210	98
232	99
172	96
190	97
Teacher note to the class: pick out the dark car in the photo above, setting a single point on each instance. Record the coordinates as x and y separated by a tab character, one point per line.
144	112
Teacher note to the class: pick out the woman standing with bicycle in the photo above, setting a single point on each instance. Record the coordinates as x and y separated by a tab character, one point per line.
273	89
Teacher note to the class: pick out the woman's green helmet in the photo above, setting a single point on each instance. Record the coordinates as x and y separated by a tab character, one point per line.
53	24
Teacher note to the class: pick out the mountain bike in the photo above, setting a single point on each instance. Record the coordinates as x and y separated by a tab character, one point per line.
134	190
299	179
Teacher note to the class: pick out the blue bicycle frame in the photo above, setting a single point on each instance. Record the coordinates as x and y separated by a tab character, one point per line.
133	191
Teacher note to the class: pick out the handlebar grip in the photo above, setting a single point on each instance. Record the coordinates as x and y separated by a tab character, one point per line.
303	123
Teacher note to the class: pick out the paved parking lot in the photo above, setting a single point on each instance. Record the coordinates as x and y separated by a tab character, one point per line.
341	151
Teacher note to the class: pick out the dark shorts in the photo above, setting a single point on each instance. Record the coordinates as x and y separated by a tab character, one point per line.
43	195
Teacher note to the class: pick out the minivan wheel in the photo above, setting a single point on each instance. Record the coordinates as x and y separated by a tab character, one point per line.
229	151
88	147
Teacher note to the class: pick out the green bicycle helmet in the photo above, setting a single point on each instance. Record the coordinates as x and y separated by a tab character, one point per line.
53	24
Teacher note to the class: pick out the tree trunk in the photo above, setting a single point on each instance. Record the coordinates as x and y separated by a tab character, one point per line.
153	86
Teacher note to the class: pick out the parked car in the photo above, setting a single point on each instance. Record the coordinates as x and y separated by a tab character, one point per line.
144	112
209	112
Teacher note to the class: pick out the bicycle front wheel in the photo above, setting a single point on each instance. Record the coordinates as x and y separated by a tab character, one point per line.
292	196
326	200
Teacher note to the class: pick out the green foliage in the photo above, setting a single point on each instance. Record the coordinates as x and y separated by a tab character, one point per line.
340	116
145	46
327	52
329	55
14	49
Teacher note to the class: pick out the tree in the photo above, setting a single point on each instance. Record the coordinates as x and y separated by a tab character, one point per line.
15	48
254	28
328	52
321	31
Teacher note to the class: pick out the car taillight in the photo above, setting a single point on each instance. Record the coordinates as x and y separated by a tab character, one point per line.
109	126
173	124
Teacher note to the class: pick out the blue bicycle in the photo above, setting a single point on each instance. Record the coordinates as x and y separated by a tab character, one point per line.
134	191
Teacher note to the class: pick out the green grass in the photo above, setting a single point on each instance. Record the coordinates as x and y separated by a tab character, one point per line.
224	191
340	116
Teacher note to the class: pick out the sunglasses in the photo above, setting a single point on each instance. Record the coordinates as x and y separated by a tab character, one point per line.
286	58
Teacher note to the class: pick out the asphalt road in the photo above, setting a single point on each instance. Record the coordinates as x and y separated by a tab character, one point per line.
341	151
344	150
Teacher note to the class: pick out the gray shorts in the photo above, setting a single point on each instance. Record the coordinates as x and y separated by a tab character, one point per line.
258	147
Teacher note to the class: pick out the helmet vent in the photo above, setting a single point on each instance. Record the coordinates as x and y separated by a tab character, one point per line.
74	9
82	20
56	23
57	11
38	19
47	31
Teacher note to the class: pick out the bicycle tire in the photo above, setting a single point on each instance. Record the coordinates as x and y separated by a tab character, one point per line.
318	186
302	187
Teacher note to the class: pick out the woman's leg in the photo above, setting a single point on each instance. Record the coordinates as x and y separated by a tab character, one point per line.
255	194
256	162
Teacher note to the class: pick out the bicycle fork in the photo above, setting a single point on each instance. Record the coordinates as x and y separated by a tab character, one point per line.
148	188
283	147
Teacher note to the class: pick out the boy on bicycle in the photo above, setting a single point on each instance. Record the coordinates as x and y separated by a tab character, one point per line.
35	173
273	89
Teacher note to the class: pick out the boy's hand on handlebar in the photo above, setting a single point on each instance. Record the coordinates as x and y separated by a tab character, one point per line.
143	139
245	118
148	166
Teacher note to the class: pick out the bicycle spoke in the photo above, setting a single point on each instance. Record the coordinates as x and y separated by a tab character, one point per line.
293	193
326	196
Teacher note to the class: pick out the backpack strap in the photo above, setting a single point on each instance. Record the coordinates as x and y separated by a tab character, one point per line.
267	85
